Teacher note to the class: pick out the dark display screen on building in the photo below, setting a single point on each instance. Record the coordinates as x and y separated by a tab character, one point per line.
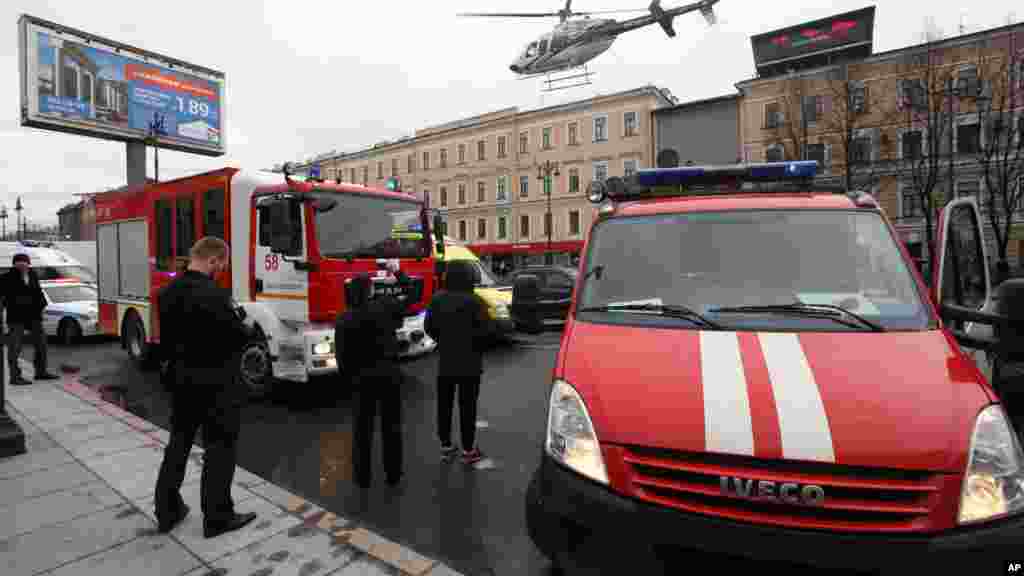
827	34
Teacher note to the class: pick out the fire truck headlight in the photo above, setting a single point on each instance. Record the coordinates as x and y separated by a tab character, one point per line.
994	482
323	348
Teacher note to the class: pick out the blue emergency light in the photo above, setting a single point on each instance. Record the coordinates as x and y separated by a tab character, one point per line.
641	183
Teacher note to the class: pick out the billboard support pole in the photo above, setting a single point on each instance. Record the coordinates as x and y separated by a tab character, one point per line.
135	154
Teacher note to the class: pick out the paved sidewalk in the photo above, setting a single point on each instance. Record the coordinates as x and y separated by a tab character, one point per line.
80	503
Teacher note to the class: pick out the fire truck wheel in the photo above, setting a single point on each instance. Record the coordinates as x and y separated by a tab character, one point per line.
135	340
255	368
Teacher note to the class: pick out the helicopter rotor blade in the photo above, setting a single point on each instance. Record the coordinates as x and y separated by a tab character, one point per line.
511	15
633	11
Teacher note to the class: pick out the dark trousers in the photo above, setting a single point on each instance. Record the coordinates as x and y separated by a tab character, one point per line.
469	391
378	391
17	340
220	426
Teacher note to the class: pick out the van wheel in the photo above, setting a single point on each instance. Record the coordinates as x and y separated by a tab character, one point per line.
69	332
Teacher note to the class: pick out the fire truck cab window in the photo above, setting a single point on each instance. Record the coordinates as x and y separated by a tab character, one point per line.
164	235
213	213
186	227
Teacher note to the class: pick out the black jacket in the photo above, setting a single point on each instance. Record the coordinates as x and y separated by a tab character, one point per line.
23	303
457	319
202	337
365	334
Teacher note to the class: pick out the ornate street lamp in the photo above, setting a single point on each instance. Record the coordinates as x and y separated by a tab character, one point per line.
544	173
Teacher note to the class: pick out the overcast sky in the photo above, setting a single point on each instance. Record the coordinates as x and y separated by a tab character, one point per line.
308	76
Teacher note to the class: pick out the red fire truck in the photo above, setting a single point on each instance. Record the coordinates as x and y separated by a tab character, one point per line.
293	242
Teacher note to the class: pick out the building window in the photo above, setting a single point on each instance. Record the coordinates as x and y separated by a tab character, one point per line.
481	229
444	157
912	94
911	143
501	193
524	142
775	153
524	186
970	187
444	196
502	228
352	175
394	167
380	170
481	150
366	175
820	152
861	149
462	194
426	160
546	139
574	223
967	84
462	230
968	138
462	153
501	147
481	192
773	115
910	201
600	171
812	108
574	133
629	167
601	128
858	93
574	180
524	226
631	123
548	228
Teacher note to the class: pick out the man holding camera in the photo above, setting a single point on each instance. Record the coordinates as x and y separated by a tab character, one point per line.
199	328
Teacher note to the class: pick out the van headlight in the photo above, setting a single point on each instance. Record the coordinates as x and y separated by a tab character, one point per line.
571	439
994	482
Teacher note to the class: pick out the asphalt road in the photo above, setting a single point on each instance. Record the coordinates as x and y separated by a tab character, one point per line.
300	439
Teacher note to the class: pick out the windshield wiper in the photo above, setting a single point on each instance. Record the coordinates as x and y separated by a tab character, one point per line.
673	311
810	310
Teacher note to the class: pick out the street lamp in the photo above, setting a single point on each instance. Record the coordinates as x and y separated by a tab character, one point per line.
544	173
19	223
3	220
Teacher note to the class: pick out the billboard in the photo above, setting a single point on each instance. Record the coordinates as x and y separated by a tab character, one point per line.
74	82
835	32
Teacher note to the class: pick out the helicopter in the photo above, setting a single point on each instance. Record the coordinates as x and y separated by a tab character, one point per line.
576	41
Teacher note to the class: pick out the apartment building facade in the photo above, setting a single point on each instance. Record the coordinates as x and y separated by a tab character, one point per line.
486	175
876	120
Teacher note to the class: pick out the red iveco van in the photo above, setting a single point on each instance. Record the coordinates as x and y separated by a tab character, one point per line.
752	366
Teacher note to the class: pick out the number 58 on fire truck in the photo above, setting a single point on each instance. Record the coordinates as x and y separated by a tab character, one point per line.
294	242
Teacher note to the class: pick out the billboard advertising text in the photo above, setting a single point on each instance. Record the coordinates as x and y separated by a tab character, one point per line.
121	96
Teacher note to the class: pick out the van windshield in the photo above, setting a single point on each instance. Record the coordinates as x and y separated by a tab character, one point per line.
710	260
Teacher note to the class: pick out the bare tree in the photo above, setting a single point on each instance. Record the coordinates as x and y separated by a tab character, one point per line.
1000	154
924	102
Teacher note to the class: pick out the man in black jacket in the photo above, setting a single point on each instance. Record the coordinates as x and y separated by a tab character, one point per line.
457	320
24	303
199	329
365	336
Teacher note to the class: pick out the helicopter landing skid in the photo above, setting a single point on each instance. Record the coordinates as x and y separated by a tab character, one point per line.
565	79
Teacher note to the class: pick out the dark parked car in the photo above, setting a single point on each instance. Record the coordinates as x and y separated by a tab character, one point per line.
541	296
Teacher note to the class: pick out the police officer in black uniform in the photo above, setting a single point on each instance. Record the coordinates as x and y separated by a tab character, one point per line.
365	336
200	328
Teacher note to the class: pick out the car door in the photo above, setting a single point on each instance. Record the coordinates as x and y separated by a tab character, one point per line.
962	276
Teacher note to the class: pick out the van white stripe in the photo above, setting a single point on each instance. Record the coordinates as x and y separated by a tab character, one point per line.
727	425
802	420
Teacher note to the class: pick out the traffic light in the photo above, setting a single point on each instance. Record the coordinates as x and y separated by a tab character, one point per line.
394	185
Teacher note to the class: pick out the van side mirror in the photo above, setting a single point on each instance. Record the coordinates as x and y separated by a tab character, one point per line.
438	236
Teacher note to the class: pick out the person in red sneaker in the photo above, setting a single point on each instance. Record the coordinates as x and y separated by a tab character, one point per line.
457	320
24	303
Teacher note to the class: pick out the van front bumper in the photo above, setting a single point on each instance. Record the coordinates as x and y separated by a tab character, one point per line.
564	509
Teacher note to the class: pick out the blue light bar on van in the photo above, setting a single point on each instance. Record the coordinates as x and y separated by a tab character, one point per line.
763	172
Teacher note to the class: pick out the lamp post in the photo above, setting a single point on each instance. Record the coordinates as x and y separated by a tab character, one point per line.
544	173
18	223
157	128
3	220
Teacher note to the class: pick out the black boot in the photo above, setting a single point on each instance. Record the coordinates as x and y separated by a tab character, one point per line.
214	529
